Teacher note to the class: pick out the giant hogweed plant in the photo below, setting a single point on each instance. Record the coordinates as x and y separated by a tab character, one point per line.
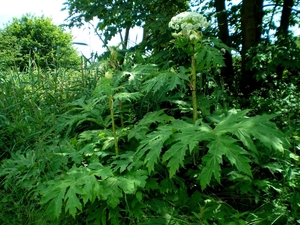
124	157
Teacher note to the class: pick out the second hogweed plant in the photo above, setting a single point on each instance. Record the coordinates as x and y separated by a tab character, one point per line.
188	36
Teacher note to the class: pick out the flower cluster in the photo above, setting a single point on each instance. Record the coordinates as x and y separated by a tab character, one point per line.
188	23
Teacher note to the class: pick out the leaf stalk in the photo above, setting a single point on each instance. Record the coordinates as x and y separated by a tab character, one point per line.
111	108
193	87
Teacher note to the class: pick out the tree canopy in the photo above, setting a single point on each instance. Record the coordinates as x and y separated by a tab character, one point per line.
114	16
243	26
36	41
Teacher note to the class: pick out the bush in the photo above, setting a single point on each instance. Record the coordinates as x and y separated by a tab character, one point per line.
36	41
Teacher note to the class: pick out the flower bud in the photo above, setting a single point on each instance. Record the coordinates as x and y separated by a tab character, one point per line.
108	75
195	36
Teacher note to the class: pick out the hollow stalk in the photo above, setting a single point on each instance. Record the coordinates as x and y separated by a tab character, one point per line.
111	108
193	87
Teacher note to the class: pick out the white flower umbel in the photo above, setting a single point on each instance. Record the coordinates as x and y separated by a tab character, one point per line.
187	24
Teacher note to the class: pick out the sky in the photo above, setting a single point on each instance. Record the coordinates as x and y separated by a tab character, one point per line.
52	9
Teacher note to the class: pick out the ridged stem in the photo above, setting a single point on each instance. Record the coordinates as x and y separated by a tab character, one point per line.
111	108
193	87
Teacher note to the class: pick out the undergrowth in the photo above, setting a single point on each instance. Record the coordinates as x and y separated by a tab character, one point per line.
88	147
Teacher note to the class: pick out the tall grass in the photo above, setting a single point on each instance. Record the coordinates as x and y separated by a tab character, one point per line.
29	105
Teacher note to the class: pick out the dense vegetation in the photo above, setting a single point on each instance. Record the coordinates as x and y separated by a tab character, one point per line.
197	124
36	42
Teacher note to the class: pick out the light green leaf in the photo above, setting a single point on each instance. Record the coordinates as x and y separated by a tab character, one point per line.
235	154
259	127
179	136
244	136
112	193
130	182
125	96
271	138
156	117
206	175
54	195
191	134
91	189
123	163
139	69
127	185
230	122
166	81
139	177
209	57
73	202
187	136
139	196
55	199
153	144
223	145
99	170
212	161
138	132
273	167
175	155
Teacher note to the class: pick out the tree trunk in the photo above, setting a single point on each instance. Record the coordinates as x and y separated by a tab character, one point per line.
124	44
285	15
252	15
283	29
227	71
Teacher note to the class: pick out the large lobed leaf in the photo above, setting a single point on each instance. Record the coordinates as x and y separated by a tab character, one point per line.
245	129
153	144
186	138
223	145
177	138
85	184
209	57
126	96
165	82
258	127
54	195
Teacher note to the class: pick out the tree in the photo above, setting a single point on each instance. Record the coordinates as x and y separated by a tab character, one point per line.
241	25
245	25
285	19
220	5
119	15
36	41
282	31
252	15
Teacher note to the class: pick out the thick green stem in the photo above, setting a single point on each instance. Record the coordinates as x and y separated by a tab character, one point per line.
111	107
121	113
193	87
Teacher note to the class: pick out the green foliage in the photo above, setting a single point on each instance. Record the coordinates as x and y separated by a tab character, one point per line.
124	15
165	160
270	56
179	136
87	184
36	42
59	164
